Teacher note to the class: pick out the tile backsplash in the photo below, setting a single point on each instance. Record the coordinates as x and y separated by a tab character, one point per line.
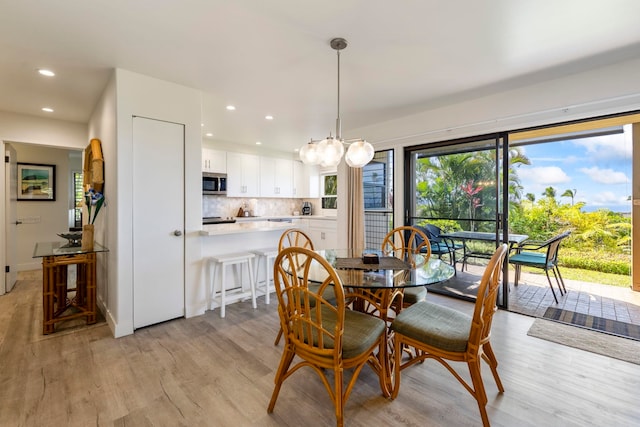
223	206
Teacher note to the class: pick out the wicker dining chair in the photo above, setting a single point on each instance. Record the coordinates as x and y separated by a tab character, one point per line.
447	335
405	242
292	237
325	335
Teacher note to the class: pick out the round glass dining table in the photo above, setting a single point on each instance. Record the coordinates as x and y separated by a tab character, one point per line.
374	283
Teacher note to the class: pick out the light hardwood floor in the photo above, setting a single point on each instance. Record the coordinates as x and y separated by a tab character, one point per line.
208	371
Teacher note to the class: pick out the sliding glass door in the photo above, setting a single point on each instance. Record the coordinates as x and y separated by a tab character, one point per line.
461	187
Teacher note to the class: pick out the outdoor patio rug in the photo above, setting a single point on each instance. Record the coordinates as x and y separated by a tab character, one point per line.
613	327
586	339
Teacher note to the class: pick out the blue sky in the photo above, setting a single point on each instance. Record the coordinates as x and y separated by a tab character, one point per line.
599	168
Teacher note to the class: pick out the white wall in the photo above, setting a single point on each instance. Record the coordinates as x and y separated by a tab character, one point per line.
139	95
36	130
102	125
606	90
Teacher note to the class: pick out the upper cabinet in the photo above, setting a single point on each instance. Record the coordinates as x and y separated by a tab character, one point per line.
243	175
250	175
276	177
214	161
306	181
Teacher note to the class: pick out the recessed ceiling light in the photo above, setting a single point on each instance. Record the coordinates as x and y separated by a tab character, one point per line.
268	117
208	134
202	124
47	73
296	150
230	107
258	143
47	109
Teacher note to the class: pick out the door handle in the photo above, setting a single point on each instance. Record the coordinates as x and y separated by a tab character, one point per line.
18	222
177	233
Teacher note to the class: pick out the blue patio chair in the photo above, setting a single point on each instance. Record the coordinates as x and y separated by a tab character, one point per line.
439	245
542	255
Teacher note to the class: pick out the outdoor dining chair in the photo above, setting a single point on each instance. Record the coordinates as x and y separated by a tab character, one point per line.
542	255
441	246
323	334
447	335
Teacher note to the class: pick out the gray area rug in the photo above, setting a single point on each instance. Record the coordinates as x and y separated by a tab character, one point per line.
586	339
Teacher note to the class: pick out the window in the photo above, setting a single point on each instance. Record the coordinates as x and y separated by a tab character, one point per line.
377	182
329	191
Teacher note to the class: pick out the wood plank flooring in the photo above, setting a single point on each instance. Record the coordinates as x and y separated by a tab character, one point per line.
208	371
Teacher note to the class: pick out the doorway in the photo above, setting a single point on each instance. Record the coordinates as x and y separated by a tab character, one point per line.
456	191
431	197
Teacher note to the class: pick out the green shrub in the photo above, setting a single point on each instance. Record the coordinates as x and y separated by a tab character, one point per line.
601	261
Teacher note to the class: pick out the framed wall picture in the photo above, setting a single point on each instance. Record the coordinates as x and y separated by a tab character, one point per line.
36	182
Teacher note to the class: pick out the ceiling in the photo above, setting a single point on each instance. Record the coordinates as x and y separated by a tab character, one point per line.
273	57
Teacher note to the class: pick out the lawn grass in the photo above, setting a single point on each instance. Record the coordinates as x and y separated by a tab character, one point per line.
588	276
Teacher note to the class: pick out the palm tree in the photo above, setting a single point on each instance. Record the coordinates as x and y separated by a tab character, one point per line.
549	192
530	197
569	193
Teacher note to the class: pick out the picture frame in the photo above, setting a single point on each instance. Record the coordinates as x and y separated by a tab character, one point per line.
36	182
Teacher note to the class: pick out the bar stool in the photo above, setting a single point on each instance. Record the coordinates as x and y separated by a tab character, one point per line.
268	255
223	261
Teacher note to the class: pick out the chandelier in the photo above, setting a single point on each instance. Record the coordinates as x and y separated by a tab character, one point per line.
329	151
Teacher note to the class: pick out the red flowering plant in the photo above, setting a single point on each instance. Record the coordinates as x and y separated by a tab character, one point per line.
470	191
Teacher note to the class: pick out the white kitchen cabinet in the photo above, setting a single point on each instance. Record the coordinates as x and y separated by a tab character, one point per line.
243	175
276	177
323	233
306	181
214	161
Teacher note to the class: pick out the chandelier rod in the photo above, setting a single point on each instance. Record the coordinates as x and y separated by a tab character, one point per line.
338	121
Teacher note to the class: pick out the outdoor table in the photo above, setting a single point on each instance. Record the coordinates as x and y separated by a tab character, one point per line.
464	236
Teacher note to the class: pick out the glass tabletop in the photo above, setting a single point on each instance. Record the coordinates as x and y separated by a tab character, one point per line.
44	249
385	275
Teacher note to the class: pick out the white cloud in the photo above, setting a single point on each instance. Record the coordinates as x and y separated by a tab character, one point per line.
610	146
605	176
545	176
607	198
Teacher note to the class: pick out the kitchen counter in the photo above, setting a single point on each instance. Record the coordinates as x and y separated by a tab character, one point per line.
244	227
281	218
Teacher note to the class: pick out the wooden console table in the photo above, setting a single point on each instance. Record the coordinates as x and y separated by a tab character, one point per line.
59	301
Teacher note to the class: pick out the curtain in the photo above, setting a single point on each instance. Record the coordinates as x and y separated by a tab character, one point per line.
355	209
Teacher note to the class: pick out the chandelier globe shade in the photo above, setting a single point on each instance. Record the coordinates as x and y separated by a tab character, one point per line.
329	151
359	154
309	154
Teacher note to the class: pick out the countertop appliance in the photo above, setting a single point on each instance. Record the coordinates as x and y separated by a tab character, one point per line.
214	183
306	208
217	220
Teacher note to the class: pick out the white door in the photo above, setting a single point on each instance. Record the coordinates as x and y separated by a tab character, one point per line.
158	221
11	216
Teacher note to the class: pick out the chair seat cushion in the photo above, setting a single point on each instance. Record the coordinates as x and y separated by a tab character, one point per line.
414	294
534	259
361	331
435	325
439	248
328	293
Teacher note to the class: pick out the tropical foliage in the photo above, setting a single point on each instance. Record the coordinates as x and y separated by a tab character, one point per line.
457	192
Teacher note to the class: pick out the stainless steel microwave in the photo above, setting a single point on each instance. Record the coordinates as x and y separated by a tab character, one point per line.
214	183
